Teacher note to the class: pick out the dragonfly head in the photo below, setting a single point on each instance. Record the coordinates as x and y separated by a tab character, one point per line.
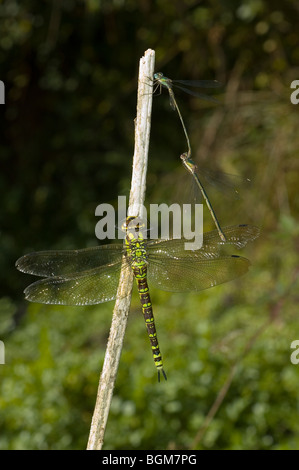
134	224
188	163
158	76
184	156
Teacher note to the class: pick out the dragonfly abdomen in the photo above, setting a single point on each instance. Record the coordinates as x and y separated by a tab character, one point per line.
137	256
140	273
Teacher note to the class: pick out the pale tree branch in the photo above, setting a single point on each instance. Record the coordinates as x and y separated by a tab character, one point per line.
123	299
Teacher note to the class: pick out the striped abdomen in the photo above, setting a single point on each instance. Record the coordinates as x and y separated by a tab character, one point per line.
136	254
140	275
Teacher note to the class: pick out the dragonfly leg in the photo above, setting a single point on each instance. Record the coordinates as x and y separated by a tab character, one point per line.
156	85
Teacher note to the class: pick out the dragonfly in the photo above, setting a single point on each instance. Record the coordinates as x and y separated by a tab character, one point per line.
161	81
91	275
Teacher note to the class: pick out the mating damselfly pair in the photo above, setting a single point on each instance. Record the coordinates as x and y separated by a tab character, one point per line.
161	81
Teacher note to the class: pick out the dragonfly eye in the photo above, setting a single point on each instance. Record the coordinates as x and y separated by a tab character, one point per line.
184	156
125	224
134	224
158	76
128	221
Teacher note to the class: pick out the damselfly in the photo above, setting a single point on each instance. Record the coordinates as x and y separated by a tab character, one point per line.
161	81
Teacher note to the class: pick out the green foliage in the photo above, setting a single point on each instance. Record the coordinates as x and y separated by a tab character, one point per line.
70	72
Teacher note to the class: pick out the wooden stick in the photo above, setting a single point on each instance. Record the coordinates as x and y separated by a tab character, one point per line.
123	300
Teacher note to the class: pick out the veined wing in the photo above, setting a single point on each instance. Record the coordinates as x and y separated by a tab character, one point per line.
64	262
198	95
200	83
227	183
237	235
85	288
195	274
175	269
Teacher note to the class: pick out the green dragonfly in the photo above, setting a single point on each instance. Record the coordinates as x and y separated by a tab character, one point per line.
161	81
91	276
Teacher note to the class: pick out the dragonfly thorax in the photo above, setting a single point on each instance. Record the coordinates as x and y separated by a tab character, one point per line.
136	250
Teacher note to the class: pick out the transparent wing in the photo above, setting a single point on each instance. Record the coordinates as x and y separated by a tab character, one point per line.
64	262
237	235
172	100
86	288
227	183
172	268
199	95
187	275
200	83
90	276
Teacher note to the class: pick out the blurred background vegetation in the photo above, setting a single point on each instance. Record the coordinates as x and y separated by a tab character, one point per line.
67	138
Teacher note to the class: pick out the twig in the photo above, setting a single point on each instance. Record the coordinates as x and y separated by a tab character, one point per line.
123	300
226	386
274	313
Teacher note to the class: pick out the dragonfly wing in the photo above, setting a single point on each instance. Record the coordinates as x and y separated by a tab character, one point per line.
227	183
199	95
237	235
63	262
200	83
187	275
172	101
240	235
86	288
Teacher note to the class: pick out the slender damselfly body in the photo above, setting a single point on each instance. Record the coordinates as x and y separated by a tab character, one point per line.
161	81
192	168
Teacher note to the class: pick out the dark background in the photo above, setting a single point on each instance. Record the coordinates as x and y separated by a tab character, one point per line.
67	139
